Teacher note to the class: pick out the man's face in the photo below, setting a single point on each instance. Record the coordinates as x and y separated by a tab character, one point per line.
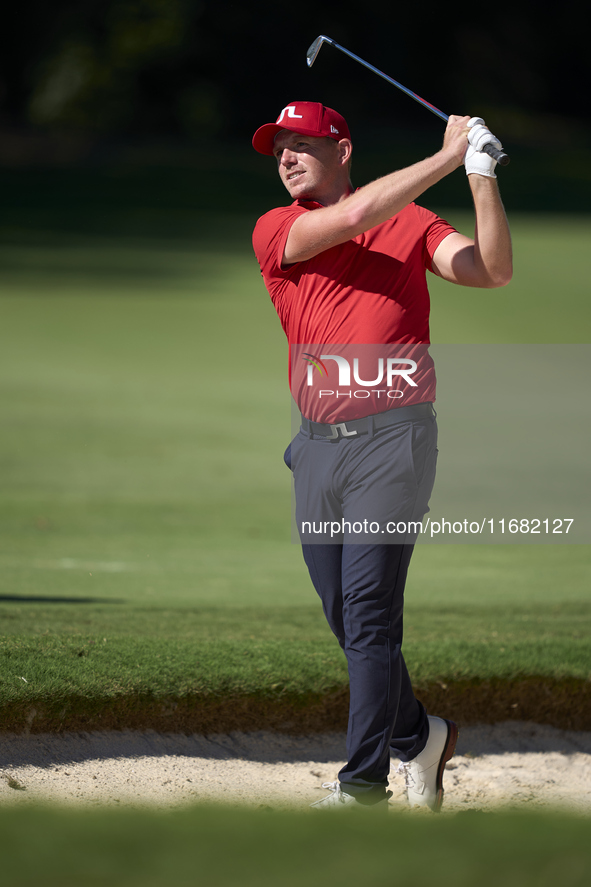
309	166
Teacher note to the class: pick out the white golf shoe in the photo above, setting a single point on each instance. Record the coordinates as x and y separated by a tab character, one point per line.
340	799
424	775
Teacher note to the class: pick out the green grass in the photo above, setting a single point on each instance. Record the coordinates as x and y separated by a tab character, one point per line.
219	847
115	639
143	383
546	302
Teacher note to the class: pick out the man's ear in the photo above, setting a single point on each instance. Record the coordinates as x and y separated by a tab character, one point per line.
345	150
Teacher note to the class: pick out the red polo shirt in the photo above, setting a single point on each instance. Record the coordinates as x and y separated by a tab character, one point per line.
371	290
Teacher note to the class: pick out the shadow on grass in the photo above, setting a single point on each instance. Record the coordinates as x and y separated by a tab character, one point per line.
44	599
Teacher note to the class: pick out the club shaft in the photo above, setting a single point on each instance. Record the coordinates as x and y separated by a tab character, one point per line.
491	150
391	80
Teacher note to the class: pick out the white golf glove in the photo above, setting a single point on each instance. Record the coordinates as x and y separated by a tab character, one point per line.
475	161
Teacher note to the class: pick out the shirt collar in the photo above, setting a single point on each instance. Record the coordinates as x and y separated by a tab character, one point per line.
307	204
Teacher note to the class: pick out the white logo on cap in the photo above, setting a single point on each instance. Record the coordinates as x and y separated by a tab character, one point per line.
291	112
333	129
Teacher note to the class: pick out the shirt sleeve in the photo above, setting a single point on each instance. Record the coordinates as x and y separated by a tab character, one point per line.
435	231
269	239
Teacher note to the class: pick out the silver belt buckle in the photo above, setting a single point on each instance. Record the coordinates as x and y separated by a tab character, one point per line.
343	429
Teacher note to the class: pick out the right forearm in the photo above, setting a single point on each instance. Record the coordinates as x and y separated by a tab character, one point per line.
352	214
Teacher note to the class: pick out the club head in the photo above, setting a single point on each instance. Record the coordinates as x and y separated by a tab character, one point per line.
314	49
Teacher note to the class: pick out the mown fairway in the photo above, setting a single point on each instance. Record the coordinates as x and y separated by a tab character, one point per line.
145	507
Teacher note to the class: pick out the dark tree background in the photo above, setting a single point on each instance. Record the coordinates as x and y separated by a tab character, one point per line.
205	74
192	67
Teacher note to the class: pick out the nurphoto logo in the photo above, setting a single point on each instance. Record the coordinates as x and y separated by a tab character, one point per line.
334	383
402	367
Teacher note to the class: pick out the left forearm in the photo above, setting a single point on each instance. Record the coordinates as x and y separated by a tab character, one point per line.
493	258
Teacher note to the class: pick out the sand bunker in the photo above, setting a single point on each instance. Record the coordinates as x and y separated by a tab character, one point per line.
511	763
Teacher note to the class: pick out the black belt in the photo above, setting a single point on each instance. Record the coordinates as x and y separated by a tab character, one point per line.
369	424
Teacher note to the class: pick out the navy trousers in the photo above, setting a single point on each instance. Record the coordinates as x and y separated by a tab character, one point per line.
382	478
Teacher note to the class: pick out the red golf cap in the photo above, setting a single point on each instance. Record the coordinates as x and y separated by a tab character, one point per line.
308	118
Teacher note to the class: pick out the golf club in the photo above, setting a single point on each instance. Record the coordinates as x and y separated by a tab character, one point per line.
314	49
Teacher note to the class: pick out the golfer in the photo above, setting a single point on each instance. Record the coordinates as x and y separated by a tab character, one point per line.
346	271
